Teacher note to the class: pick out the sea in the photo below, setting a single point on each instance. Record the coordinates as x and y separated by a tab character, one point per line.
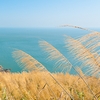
27	40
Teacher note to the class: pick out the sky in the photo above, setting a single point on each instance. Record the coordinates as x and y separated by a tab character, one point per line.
49	13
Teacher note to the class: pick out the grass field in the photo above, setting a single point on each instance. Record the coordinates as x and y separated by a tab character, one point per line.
40	86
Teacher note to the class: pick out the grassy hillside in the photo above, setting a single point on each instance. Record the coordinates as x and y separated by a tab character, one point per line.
37	85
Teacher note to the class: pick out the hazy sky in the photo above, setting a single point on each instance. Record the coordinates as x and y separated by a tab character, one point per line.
49	13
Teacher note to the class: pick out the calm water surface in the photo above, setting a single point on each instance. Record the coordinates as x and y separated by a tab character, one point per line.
27	39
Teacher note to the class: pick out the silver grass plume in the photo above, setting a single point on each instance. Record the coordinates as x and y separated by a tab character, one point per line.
92	43
53	54
82	54
91	40
26	61
73	26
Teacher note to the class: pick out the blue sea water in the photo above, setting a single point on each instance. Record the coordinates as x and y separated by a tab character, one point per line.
27	39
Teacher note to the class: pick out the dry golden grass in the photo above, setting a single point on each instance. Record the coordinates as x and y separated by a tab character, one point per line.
37	85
